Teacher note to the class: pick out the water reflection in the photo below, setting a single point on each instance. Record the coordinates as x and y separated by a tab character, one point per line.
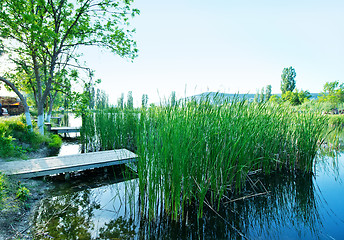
67	119
91	206
67	217
289	211
85	209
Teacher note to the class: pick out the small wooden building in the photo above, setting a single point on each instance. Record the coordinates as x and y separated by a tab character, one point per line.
12	104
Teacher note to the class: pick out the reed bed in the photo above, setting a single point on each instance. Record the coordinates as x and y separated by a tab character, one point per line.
108	129
199	152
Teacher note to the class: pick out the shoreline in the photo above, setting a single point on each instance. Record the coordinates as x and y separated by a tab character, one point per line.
16	216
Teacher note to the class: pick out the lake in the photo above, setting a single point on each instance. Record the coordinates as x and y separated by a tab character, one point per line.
104	204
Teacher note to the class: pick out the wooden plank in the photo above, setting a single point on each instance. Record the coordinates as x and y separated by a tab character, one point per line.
65	129
62	164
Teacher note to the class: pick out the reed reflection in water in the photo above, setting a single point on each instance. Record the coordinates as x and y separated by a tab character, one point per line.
296	207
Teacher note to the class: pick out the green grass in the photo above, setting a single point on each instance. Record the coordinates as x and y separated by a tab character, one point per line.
12	195
200	152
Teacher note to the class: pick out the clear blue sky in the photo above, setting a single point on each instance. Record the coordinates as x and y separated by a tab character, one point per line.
231	46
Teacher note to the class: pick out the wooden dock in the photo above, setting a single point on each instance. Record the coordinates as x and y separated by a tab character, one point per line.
58	130
65	164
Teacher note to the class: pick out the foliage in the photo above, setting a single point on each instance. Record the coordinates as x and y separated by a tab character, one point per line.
16	138
288	80
144	101
264	95
173	99
130	100
120	101
332	93
275	99
102	99
55	141
7	146
23	193
268	93
9	191
189	152
296	97
4	190
43	38
81	103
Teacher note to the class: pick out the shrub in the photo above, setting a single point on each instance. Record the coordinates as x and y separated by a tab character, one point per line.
54	142
23	193
16	138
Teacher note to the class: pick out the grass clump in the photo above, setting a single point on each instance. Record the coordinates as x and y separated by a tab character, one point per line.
2	189
336	121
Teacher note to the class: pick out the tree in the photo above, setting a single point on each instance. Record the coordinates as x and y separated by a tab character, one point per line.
288	80
120	101
262	96
15	89
275	99
296	97
22	99
130	100
144	100
256	97
333	93
268	93
102	99
173	99
43	37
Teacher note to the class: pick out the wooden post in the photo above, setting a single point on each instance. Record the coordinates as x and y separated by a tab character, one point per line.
67	176
48	126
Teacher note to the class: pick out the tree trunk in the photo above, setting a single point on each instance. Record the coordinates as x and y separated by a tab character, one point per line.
51	104
22	99
40	117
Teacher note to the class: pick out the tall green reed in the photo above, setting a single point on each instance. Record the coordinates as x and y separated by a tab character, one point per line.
201	151
108	129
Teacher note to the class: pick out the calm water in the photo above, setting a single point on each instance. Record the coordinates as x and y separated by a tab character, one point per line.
103	205
70	144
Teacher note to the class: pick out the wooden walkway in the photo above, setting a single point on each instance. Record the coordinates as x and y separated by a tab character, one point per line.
65	164
59	130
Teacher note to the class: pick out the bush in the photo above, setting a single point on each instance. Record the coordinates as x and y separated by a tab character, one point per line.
23	193
54	143
7	146
16	139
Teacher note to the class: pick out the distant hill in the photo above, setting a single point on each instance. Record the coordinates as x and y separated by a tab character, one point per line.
219	97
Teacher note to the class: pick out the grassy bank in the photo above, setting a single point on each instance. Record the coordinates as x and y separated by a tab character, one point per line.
17	139
201	152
